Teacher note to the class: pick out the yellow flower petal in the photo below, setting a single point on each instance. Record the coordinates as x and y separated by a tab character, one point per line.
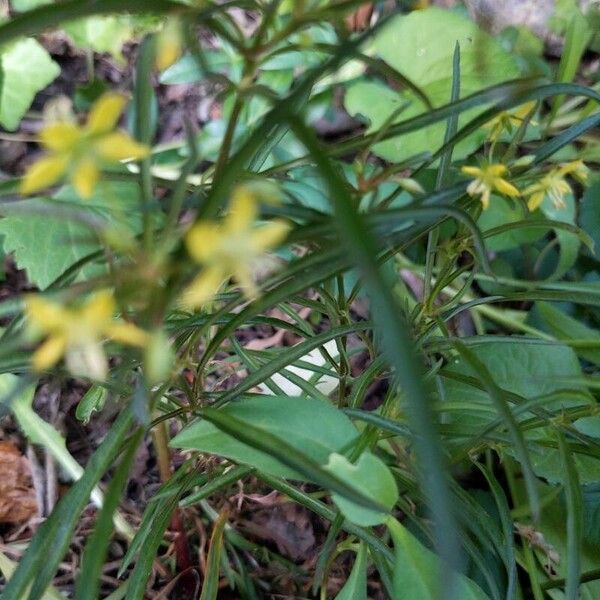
204	287
535	200
169	45
99	308
472	171
59	137
243	277
85	177
508	189
87	360
203	240
485	199
495	170
42	174
118	146
49	353
243	209
104	114
269	235
44	315
127	333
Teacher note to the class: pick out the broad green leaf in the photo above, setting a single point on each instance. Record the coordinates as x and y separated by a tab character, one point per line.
311	426
26	69
527	369
421	46
45	245
569	242
355	587
501	212
369	475
531	370
552	531
564	327
418	571
589	213
101	34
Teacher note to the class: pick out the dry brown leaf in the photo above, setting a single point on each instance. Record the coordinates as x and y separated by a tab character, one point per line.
17	496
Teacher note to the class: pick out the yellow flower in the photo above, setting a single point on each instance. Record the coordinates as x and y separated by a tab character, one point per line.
79	151
488	179
230	248
78	333
505	121
169	44
554	185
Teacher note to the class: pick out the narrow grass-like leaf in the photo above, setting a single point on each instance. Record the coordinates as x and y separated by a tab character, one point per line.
566	137
210	587
398	348
574	518
288	357
214	485
94	555
383	423
577	38
506	522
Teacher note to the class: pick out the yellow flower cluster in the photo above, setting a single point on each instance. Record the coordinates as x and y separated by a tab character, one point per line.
78	333
230	247
505	121
78	152
554	185
491	178
488	179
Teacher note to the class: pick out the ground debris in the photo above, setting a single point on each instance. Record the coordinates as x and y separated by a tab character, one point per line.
17	496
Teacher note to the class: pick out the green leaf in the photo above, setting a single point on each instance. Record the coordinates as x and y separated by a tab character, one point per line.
501	212
421	46
26	68
355	587
531	370
47	244
101	34
589	214
210	586
93	401
96	547
418	569
297	460
569	242
369	475
574	507
311	426
564	327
